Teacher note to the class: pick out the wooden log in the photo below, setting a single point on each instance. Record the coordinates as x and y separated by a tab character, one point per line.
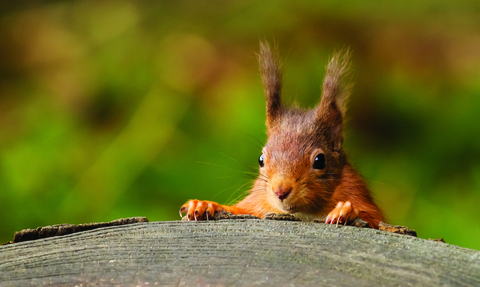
241	252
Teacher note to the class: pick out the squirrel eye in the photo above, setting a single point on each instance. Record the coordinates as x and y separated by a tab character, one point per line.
319	162
260	160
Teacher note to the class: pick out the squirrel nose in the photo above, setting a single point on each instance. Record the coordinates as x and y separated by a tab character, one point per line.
282	193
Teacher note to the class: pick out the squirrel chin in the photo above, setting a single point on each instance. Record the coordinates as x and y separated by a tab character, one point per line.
308	217
289	209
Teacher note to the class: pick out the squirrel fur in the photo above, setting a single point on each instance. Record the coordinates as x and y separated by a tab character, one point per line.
304	170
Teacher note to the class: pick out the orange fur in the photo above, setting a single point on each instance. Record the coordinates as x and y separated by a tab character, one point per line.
305	170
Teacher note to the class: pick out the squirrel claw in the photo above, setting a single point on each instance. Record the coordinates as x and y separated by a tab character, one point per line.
182	210
200	210
342	213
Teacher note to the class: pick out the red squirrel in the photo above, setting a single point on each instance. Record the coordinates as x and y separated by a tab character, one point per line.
304	170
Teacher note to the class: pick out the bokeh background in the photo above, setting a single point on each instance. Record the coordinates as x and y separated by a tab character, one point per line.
112	109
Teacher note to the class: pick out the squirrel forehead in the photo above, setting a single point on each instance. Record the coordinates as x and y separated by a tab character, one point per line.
294	135
295	123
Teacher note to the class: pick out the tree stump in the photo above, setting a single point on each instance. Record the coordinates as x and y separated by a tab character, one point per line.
240	252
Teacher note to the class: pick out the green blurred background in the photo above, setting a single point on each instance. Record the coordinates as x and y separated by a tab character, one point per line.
112	109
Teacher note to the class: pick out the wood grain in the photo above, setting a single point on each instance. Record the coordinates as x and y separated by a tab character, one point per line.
241	252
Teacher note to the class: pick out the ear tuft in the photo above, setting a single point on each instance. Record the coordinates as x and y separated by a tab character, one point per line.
335	93
272	81
336	88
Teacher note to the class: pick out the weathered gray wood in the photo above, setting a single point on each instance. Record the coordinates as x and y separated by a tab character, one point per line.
237	253
64	229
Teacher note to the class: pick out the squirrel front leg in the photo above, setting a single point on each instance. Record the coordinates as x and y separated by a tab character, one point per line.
256	204
353	200
204	209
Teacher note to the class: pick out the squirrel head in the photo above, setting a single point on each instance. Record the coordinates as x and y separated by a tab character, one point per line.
303	158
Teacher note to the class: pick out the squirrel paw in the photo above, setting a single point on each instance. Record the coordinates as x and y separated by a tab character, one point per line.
199	210
342	213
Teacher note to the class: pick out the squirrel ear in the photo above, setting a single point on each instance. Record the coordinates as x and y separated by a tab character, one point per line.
272	82
332	107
